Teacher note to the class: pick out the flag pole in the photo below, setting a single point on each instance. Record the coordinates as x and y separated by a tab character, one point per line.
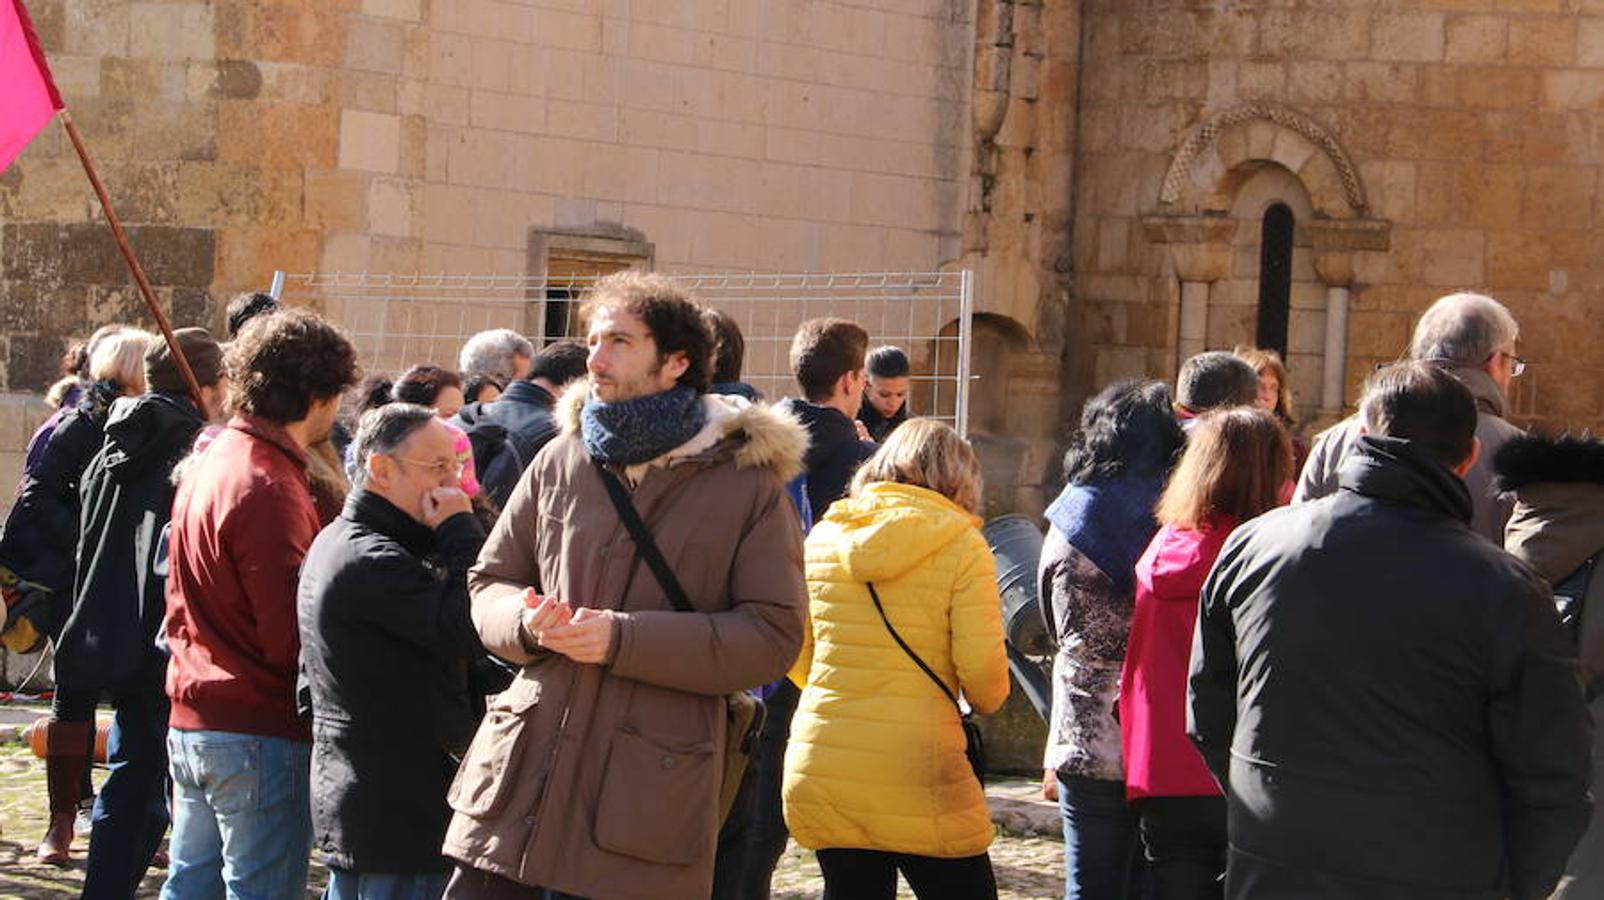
132	260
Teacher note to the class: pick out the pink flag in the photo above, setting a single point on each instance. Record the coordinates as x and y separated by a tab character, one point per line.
28	98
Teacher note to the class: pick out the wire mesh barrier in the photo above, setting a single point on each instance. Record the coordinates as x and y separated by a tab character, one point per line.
397	321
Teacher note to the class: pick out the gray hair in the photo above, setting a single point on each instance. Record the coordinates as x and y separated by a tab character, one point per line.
1463	329
1216	379
383	430
491	354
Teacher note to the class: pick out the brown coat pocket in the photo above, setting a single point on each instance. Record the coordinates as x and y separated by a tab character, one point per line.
481	786
658	802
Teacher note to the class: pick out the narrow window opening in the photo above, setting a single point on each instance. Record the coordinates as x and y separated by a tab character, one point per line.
1275	278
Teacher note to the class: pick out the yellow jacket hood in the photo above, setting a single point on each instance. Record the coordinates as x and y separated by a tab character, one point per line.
888	528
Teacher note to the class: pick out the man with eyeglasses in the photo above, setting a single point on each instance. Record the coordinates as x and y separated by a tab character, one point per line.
386	642
1472	336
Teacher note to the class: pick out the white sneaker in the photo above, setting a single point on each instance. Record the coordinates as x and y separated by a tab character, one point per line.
84	823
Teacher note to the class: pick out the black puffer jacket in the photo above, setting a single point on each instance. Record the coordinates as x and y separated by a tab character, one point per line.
40	540
385	644
881	426
120	595
1388	698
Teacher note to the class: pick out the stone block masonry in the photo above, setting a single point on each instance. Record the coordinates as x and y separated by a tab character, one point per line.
1472	127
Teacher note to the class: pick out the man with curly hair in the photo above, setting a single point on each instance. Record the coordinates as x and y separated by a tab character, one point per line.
243	519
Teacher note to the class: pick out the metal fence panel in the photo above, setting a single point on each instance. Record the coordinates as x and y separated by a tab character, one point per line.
397	321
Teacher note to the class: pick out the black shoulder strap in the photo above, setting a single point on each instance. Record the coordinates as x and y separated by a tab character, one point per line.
875	596
644	544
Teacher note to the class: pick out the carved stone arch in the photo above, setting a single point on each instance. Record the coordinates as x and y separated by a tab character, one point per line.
1221	150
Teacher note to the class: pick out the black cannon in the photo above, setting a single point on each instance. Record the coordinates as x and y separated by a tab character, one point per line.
1016	542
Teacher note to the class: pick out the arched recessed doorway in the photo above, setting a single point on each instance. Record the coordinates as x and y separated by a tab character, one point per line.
1275	278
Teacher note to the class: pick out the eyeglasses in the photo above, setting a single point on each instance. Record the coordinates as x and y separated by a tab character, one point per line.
440	468
1518	365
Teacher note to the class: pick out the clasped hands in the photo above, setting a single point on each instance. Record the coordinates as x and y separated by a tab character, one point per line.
582	635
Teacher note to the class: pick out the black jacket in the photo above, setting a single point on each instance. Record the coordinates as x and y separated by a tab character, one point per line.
385	645
1388	698
524	416
834	452
109	642
40	540
879	426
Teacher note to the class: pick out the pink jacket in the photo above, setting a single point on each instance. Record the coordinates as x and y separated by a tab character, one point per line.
1160	760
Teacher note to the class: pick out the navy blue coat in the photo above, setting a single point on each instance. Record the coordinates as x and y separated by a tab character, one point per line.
109	642
834	452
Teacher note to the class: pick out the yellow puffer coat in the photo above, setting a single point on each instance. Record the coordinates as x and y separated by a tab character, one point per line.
876	759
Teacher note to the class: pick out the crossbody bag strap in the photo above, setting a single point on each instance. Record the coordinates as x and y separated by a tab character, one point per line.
644	545
875	596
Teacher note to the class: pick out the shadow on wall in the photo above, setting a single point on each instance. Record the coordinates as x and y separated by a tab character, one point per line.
1013	410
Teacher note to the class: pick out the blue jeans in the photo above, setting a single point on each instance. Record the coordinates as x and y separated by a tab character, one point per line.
242	816
347	885
1102	856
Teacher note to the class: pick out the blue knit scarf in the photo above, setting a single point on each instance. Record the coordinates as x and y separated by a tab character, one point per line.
630	432
1110	521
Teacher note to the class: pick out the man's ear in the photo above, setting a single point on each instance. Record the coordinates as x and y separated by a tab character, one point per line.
381	469
675	364
1470	461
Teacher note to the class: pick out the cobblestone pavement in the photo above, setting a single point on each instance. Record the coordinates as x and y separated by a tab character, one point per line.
1027	867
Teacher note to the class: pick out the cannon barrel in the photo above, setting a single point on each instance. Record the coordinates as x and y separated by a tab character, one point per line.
1015	542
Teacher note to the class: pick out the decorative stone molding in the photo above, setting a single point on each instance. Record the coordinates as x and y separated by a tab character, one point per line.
1205	134
1200	247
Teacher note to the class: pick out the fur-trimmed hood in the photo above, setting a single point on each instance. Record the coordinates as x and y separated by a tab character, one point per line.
1558	484
1533	459
757	435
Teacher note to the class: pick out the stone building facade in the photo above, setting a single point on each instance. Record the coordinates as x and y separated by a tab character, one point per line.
240	137
1421	147
1125	177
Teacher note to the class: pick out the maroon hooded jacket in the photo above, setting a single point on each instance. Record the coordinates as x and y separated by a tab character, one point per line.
243	519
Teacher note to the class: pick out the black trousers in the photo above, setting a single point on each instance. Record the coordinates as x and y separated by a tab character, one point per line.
872	875
1185	839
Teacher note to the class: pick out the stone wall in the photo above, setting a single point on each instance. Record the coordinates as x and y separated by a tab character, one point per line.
240	137
1472	130
795	135
418	135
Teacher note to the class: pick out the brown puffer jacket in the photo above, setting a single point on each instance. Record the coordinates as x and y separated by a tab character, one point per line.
602	780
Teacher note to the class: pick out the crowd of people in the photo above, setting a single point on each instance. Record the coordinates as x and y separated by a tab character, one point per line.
1365	675
596	620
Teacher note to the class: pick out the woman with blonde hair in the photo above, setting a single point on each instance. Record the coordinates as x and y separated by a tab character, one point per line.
904	618
1238	464
40	544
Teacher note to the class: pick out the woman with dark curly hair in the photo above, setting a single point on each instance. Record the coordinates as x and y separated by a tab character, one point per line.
1098	527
